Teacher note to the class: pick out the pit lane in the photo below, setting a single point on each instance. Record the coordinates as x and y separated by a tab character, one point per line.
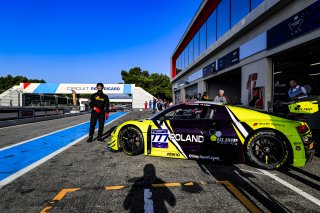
87	178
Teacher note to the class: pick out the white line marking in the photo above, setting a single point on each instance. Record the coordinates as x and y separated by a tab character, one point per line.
259	173
238	124
164	126
41	136
148	202
17	144
37	163
27	124
292	187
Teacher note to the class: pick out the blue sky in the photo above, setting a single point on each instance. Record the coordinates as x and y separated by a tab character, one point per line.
86	41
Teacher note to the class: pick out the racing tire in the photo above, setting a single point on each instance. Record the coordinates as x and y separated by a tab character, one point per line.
131	140
267	149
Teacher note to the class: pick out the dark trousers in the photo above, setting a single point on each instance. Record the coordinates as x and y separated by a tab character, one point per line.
93	121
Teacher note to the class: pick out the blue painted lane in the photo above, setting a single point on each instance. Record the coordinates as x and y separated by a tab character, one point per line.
18	157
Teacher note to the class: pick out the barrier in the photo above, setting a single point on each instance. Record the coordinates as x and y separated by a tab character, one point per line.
13	113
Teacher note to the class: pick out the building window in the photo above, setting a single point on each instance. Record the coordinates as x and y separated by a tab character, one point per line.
255	3
182	60
191	52
203	38
212	29
239	9
196	45
186	60
223	15
178	65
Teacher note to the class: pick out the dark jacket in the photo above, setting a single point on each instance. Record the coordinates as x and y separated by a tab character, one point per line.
100	100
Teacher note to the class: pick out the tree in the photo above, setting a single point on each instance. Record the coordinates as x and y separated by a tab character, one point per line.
9	81
156	84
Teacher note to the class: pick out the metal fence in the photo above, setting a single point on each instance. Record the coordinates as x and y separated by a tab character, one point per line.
13	113
17	105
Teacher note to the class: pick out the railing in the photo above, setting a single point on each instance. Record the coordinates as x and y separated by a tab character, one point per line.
13	113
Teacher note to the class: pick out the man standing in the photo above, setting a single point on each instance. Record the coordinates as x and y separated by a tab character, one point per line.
220	97
296	91
99	104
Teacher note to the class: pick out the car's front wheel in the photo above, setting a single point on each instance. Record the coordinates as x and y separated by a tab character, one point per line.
131	140
267	149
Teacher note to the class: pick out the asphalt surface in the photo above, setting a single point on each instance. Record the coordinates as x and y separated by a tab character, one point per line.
88	178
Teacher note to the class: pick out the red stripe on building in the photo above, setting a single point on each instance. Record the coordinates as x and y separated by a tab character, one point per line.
209	7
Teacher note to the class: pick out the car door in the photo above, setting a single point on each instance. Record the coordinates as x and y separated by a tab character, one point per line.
190	130
224	137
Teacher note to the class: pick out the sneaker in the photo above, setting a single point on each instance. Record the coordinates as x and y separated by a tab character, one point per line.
90	139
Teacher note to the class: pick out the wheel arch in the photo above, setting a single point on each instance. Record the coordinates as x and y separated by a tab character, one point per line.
124	126
290	157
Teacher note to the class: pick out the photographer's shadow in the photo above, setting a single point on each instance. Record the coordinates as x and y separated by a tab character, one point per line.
143	197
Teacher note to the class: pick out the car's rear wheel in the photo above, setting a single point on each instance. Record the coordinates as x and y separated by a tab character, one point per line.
131	140
267	149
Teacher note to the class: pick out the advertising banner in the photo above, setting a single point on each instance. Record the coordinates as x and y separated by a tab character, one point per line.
57	88
303	22
228	60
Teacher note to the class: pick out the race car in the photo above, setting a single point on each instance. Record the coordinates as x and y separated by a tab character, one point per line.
213	131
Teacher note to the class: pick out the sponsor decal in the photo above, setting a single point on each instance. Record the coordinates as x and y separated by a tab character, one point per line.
268	124
227	141
112	88
173	154
217	137
203	157
302	109
78	88
187	138
159	138
98	98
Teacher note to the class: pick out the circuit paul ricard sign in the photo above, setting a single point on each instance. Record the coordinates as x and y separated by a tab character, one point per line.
61	88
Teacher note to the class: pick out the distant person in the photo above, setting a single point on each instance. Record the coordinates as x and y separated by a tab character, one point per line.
150	104
205	97
160	104
296	91
99	103
256	96
165	104
145	105
154	105
220	98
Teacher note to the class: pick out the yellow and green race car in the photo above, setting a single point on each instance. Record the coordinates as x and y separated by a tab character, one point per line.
211	131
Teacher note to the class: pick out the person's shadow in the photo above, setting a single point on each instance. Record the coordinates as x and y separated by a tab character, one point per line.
143	197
